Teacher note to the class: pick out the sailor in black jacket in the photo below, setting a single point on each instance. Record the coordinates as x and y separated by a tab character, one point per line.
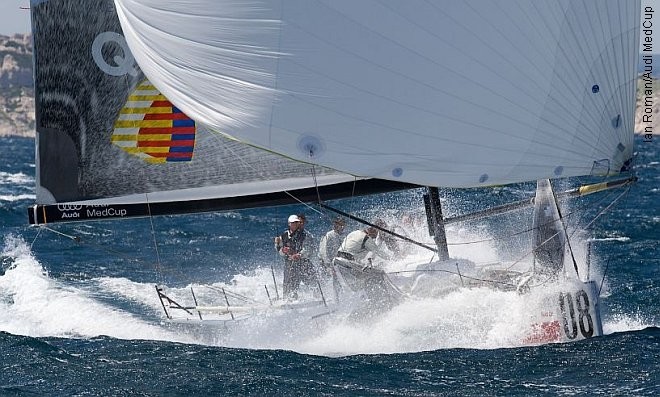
294	245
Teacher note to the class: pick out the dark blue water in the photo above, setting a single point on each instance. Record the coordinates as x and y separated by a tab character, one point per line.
83	318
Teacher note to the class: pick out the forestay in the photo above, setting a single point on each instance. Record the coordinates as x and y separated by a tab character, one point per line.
455	93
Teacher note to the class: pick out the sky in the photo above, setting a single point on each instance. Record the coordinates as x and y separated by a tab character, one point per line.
13	19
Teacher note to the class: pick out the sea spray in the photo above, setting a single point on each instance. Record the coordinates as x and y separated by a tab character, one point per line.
35	304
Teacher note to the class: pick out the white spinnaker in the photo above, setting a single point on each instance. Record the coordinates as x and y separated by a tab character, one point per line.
461	94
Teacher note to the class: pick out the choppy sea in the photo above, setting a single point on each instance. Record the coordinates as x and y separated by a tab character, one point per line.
81	318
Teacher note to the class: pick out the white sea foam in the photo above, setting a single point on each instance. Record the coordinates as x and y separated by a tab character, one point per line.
624	323
17	197
35	304
20	178
621	239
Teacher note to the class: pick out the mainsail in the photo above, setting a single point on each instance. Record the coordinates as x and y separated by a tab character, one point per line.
107	137
455	93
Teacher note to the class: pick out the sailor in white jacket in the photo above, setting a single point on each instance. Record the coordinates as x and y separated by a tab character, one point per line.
358	244
353	263
330	242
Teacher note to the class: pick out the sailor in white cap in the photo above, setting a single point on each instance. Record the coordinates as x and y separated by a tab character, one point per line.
294	246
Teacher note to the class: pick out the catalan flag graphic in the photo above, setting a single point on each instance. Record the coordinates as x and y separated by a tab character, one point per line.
150	127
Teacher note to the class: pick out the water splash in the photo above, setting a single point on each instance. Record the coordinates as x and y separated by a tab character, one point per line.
36	305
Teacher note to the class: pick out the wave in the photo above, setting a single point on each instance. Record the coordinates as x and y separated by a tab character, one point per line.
15	179
621	239
33	304
18	197
36	304
625	323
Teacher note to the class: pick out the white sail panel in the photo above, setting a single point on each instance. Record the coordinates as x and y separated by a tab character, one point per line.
461	94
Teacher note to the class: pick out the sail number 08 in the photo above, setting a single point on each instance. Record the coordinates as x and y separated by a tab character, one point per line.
581	320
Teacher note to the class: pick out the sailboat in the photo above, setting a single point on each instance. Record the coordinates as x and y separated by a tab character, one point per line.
154	107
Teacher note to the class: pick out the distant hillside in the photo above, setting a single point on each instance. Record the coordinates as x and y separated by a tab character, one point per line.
17	89
16	86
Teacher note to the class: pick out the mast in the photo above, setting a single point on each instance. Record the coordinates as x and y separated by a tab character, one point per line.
436	221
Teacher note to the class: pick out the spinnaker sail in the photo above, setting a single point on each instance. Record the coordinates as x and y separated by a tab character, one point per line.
456	93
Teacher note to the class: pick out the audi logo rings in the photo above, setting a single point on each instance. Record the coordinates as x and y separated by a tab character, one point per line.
69	207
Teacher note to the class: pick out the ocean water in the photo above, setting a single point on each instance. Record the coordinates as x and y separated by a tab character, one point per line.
83	318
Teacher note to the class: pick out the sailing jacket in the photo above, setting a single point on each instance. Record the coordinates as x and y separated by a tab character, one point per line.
298	243
358	245
328	246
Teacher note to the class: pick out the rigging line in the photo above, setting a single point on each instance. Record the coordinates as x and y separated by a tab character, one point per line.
316	187
217	137
318	192
532	251
35	237
231	294
316	184
605	209
583	216
452	272
352	206
153	235
568	237
96	246
547	240
602	281
563	227
360	220
576	211
116	253
547	280
69	236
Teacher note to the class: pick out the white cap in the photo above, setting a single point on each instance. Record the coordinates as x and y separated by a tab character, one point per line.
294	218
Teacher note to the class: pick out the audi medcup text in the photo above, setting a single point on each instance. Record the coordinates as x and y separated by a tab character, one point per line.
108	212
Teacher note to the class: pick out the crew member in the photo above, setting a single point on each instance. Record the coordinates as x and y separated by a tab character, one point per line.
330	243
328	247
358	244
293	246
354	263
